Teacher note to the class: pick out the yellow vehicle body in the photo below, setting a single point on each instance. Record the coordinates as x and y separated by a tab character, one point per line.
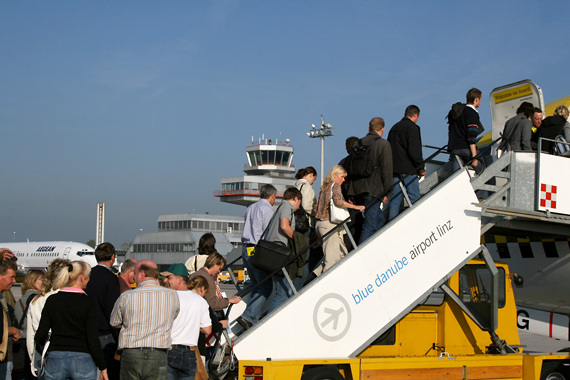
431	342
238	275
223	275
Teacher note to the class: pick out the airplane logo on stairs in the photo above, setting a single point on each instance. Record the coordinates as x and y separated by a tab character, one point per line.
332	317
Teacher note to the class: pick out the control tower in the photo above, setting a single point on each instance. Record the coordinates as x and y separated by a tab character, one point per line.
268	162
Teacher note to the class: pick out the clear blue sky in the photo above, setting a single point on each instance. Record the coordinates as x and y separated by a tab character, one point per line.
145	105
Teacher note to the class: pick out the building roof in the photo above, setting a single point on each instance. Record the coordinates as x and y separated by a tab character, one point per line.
208	217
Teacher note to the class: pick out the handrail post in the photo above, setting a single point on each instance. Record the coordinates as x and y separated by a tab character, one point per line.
286	275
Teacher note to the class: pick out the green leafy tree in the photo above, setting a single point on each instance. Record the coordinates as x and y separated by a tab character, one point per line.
91	243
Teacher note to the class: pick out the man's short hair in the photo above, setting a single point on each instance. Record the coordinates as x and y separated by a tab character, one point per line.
411	111
266	191
128	265
291	193
473	94
214	258
8	264
376	124
104	252
536	109
149	271
350	143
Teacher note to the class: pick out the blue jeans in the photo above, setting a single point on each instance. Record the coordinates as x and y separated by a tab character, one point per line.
62	365
3	370
282	292
259	295
465	156
412	185
181	363
373	218
143	363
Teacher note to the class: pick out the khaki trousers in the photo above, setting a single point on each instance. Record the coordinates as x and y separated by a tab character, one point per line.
333	246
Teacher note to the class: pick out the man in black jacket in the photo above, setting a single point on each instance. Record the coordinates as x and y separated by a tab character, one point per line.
366	191
463	132
406	142
105	289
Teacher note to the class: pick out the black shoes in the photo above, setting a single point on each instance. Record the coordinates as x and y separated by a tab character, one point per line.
244	323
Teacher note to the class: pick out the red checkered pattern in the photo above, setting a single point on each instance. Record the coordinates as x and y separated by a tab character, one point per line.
547	196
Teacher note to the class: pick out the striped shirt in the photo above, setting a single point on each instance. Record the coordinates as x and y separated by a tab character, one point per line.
145	316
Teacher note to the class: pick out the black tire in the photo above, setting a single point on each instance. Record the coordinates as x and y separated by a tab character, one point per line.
322	373
553	370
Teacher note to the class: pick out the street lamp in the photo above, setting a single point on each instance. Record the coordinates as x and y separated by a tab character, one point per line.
324	131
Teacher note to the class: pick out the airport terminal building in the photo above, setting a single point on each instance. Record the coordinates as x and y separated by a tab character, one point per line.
178	236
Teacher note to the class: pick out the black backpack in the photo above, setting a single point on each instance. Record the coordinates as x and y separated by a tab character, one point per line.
455	113
358	163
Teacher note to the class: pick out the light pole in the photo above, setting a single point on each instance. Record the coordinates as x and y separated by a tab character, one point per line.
324	131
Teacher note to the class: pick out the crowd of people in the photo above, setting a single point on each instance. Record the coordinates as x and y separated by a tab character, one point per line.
360	184
78	322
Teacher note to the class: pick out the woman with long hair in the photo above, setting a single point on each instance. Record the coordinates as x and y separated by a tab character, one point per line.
37	305
305	179
71	316
30	289
333	245
206	246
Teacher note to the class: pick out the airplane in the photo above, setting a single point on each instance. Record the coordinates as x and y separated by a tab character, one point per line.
38	255
541	257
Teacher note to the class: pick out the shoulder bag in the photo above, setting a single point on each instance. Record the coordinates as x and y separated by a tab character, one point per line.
271	256
337	214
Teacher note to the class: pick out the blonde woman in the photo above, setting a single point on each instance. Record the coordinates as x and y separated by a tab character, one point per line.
74	351
333	245
37	305
30	289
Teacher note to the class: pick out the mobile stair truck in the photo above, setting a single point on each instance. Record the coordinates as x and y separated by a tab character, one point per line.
422	298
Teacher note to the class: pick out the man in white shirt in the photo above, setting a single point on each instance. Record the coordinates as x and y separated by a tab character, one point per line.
193	318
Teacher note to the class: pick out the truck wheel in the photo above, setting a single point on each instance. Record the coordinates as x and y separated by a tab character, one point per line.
553	370
322	373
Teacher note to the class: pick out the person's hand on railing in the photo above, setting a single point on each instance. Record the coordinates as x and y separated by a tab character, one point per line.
234	299
224	323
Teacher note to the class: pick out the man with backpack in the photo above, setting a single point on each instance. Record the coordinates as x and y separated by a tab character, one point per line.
464	127
369	169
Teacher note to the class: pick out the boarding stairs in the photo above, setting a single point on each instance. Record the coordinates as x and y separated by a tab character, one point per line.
344	310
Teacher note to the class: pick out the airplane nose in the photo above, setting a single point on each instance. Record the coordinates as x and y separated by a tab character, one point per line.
90	260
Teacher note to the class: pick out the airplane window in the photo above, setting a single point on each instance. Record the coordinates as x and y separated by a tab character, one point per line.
80	253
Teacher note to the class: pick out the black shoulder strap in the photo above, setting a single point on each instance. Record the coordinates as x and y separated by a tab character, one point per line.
28	302
271	221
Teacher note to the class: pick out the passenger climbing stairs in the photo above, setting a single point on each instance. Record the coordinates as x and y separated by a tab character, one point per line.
341	312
